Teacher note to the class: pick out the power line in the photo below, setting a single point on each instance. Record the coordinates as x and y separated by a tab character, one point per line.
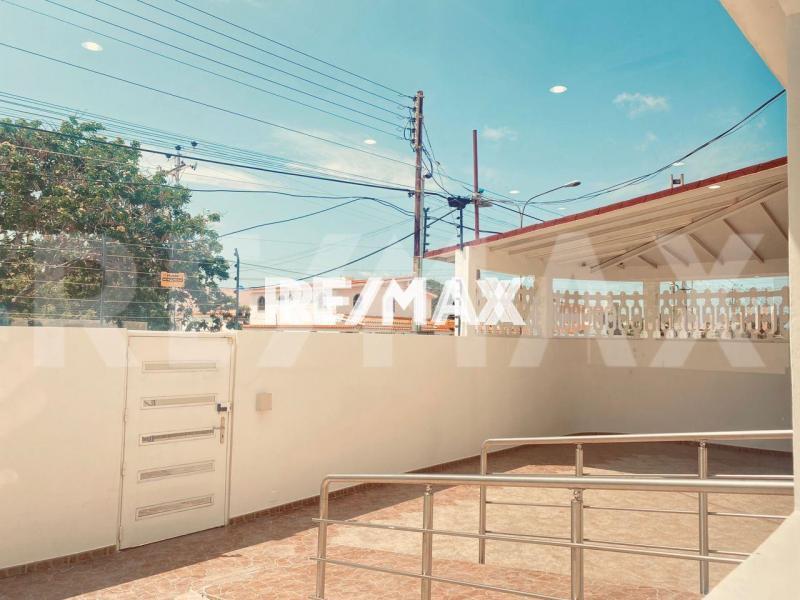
148	134
232	24
373	253
289	220
216	74
204	104
624	184
238	54
244	43
208	160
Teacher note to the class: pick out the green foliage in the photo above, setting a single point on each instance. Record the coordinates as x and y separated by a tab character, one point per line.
84	231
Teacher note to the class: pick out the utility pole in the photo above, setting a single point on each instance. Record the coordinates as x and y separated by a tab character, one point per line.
175	172
425	231
476	191
236	317
419	184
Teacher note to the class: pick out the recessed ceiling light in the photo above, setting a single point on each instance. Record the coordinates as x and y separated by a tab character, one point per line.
558	89
370	142
714	187
678	164
92	46
513	192
562	208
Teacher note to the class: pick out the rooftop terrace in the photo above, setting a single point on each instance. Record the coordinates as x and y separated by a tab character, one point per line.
268	557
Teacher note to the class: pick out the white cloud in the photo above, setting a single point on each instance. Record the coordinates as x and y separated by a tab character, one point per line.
497	134
638	103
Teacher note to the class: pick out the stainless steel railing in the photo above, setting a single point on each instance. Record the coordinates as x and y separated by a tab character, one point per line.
579	441
576	543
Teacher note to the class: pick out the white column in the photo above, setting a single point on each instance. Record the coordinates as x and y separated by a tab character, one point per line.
543	303
466	270
651	290
793	122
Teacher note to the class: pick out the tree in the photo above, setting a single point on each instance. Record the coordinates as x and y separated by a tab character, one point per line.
85	233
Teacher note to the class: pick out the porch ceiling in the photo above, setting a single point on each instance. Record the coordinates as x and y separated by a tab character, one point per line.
693	231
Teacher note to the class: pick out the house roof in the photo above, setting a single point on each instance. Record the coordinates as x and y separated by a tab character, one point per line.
733	217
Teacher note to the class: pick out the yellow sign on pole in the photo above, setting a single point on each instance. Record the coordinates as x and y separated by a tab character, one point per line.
173	280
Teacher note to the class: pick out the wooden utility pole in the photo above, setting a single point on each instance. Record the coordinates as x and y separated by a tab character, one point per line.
419	185
476	195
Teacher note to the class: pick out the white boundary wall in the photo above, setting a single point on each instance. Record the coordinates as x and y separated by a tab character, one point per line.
347	402
61	402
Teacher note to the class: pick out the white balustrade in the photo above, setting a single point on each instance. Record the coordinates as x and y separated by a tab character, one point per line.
684	314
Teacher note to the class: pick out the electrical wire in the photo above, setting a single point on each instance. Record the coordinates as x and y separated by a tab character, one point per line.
254	47
263	37
209	71
208	160
237	54
641	178
204	104
373	253
167	138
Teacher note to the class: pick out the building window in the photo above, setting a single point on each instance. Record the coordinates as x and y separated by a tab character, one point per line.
262	303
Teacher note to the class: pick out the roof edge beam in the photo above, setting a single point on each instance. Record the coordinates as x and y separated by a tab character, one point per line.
745	201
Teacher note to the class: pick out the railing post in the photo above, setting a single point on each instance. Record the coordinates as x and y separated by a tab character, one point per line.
702	471
576	535
576	529
427	542
322	540
482	509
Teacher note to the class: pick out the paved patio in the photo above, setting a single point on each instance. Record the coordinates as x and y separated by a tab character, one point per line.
267	558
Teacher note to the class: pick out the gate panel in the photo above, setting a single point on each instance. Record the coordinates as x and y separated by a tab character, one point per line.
177	424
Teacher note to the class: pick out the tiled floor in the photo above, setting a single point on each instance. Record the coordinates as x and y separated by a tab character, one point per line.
268	558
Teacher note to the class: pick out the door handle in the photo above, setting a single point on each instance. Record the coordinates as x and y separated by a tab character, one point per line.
221	428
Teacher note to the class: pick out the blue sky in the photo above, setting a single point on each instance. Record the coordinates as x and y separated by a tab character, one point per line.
647	80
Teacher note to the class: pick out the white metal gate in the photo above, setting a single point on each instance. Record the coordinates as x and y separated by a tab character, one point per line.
177	436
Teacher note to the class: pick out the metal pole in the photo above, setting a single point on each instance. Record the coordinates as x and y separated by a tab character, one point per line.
171	292
482	509
419	183
702	470
475	188
576	512
322	540
238	264
427	542
576	531
102	311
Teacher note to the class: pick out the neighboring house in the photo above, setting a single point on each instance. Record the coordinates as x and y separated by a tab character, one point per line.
255	298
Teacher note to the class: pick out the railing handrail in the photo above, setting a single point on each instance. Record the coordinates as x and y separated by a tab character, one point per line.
576	543
711	486
702	436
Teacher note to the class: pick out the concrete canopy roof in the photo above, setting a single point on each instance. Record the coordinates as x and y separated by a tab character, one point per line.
693	231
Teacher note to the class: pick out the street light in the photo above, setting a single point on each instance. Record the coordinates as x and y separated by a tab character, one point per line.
570	184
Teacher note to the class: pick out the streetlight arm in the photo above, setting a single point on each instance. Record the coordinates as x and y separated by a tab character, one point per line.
525	205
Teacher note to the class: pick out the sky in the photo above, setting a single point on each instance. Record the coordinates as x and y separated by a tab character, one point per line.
646	82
